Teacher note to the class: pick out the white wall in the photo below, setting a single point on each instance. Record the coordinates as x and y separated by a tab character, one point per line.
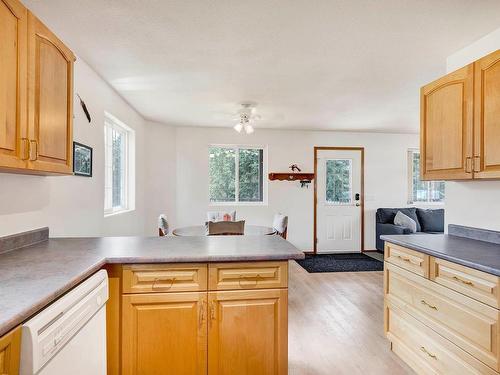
70	205
385	174
160	170
473	203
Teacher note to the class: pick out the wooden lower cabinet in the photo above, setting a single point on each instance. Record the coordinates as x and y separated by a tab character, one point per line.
427	352
10	349
167	331
164	333
248	332
444	320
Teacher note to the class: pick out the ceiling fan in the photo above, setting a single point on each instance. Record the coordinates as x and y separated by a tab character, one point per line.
246	117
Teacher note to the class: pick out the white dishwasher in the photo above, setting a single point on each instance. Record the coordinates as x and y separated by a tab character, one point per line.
69	336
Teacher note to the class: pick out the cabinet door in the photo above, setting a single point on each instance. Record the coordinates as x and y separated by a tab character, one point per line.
446	127
248	332
487	116
50	69
13	61
10	347
164	333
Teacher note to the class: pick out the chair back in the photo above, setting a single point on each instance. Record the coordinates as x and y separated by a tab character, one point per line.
226	228
216	216
162	225
280	225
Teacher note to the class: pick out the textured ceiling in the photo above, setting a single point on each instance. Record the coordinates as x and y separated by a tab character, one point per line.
309	64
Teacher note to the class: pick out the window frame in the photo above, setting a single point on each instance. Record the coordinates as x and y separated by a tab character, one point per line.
237	202
409	157
128	178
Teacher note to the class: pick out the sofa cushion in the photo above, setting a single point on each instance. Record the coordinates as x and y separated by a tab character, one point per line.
387	215
431	220
405	221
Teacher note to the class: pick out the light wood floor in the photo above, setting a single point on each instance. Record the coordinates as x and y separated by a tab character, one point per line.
336	325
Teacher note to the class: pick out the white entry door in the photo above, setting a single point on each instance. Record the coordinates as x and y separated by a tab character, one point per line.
338	213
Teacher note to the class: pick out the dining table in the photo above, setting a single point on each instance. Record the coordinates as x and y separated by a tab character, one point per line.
201	230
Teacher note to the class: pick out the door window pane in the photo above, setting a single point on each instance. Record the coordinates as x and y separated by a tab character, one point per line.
339	181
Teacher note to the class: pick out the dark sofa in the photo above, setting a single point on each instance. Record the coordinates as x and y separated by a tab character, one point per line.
428	221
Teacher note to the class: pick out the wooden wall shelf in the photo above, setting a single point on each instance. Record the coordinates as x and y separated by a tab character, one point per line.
291	176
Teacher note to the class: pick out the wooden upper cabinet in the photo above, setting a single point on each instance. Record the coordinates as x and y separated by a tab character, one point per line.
487	116
50	83
13	73
248	332
446	129
164	333
10	348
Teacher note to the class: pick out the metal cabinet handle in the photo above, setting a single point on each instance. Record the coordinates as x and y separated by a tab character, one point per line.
249	278
433	356
468	164
35	142
202	313
212	313
423	302
26	153
478	159
466	282
172	280
404	258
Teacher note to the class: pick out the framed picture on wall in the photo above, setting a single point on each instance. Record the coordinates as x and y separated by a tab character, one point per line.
82	160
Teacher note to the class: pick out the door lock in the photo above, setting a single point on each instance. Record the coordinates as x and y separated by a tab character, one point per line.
356	196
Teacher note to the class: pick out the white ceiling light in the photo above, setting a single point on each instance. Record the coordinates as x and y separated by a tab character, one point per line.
246	116
238	127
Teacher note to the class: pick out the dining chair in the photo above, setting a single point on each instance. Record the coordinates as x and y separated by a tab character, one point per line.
215	216
162	225
280	225
226	228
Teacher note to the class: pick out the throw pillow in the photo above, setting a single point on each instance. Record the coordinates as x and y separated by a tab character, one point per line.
405	221
431	220
387	215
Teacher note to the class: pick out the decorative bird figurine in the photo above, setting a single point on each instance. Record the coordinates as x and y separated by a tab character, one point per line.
295	167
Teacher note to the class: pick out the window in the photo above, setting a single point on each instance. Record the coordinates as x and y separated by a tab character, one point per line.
422	191
119	150
339	181
236	174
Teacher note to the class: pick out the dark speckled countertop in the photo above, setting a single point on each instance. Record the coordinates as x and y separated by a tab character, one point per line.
480	255
32	277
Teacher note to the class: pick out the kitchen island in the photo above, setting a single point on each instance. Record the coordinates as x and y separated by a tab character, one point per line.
193	303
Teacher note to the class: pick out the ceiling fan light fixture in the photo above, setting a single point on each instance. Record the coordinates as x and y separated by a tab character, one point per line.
246	115
238	127
249	129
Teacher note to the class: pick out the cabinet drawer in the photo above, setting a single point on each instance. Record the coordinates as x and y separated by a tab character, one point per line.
476	284
471	325
426	351
410	260
147	278
255	275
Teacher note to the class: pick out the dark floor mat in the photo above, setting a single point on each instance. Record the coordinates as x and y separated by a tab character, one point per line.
352	262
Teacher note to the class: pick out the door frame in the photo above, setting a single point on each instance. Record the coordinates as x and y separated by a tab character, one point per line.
362	200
